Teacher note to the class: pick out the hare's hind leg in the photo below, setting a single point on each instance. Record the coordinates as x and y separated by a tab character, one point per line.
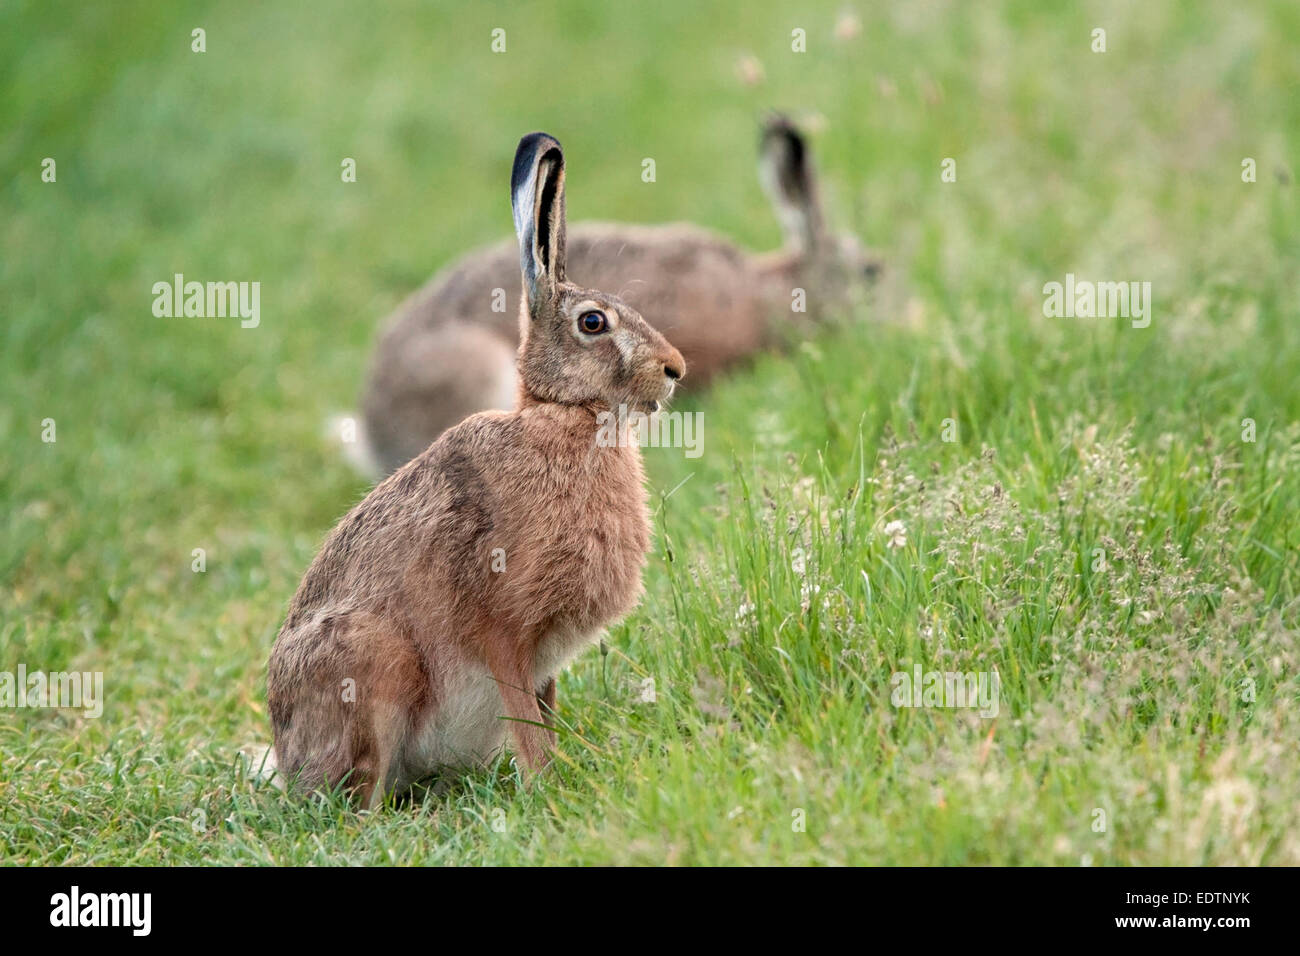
378	761
342	694
392	680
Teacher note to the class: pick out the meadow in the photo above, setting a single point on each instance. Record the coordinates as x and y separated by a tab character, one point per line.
1102	514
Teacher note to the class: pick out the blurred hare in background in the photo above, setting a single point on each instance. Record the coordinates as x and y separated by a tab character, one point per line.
445	353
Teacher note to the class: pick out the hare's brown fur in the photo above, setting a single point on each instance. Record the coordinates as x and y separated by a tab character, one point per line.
440	609
403	594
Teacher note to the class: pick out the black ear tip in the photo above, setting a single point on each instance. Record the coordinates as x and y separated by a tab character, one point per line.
530	147
537	142
779	131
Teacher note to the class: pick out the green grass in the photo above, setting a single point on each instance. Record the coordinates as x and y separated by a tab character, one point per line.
1122	684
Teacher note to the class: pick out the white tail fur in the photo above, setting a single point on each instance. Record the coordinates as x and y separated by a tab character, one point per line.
260	764
348	432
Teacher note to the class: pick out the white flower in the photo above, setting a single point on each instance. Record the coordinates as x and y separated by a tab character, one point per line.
896	533
806	594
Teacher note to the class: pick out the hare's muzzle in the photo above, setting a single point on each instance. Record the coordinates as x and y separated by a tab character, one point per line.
674	367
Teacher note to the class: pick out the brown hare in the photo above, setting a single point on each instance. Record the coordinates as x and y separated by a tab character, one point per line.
439	611
445	353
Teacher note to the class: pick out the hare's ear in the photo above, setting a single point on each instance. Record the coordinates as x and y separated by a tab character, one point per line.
785	169
537	196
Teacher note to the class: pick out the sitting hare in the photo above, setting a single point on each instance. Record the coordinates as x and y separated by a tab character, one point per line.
446	353
439	611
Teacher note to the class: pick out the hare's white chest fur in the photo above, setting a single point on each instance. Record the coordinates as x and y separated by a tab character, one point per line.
470	728
467	730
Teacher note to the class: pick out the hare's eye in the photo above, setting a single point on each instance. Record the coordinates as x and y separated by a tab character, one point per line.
593	323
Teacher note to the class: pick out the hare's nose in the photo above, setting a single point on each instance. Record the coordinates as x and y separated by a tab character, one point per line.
674	364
